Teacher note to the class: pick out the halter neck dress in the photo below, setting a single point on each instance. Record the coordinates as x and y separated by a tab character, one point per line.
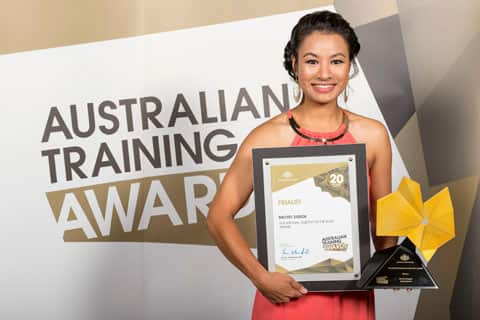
347	305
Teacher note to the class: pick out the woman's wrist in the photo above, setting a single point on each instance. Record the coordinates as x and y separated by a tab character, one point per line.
259	277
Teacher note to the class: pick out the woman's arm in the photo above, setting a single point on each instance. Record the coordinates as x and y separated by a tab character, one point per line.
381	179
232	195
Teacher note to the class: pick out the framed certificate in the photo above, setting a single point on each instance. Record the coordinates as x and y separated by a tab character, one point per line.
312	213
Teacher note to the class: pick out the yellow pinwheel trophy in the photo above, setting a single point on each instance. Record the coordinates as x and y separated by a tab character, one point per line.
426	226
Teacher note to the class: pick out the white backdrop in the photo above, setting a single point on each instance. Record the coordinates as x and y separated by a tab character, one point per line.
44	277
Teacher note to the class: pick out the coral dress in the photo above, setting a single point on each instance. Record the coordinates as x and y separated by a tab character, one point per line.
348	305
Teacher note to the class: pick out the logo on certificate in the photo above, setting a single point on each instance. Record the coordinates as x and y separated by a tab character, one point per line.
335	243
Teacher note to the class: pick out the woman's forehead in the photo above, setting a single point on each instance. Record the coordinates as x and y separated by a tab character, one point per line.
321	43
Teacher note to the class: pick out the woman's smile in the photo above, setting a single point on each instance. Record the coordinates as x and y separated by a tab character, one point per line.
323	88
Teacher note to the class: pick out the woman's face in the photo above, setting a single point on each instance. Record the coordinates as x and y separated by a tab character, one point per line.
323	66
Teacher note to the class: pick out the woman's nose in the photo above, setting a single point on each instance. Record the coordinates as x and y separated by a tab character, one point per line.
324	72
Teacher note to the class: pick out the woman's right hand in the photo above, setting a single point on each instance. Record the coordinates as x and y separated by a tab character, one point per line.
279	287
236	187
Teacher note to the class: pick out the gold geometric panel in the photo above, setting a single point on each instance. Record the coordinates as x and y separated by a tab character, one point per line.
431	47
54	23
360	13
409	143
444	265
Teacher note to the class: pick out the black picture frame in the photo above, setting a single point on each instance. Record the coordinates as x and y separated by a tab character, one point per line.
356	154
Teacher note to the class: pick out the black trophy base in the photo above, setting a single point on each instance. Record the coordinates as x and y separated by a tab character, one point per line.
395	268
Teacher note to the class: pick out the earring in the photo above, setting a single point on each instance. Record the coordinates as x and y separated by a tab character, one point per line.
297	92
345	94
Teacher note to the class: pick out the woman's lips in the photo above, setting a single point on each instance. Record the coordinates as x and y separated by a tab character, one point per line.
323	88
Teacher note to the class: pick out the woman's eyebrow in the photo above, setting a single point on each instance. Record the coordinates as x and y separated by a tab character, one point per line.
316	56
311	54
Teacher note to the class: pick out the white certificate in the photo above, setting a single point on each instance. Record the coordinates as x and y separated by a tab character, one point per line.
310	215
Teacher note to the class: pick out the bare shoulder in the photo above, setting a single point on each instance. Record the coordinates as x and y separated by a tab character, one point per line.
365	129
275	132
272	133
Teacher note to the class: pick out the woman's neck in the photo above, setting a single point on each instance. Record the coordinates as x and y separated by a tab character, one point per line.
320	118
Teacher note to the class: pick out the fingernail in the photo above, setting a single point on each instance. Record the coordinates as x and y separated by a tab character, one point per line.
303	290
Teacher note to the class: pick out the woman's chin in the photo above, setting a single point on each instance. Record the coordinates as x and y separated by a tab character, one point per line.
323	100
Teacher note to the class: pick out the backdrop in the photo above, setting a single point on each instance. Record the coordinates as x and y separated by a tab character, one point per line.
112	151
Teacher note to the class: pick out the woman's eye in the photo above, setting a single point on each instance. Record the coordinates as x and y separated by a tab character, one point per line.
337	61
311	61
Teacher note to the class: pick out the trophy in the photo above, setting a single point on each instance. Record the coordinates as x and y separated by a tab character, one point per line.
425	226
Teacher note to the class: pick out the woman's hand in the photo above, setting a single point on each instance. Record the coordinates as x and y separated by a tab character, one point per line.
279	287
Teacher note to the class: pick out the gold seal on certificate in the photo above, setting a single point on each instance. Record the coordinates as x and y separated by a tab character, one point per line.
312	213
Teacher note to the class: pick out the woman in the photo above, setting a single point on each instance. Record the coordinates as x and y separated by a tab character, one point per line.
319	57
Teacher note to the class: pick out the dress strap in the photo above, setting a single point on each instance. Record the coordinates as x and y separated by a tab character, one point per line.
289	114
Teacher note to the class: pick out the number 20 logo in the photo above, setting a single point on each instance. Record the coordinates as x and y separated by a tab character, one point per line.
336	178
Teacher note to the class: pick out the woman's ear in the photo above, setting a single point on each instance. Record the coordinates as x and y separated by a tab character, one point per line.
353	70
294	65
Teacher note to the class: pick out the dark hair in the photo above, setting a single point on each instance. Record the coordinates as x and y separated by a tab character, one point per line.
323	21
